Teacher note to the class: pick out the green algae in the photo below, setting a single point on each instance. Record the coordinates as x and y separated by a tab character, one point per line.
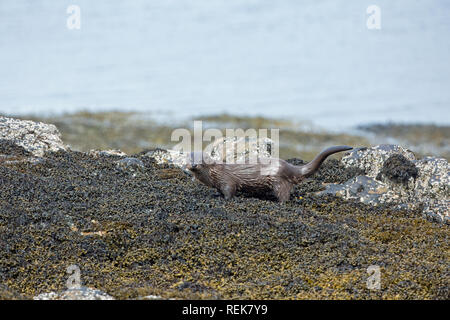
155	231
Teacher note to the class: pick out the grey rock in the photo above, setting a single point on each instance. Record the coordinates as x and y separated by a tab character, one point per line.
433	187
363	188
237	149
152	297
107	153
425	182
174	157
130	164
83	293
371	160
34	137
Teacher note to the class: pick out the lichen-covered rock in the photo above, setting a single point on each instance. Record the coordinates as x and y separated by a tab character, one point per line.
83	293
371	160
107	153
367	190
34	137
130	164
173	157
394	175
238	149
151	297
432	187
362	188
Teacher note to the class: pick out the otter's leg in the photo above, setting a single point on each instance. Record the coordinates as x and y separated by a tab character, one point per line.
282	190
228	190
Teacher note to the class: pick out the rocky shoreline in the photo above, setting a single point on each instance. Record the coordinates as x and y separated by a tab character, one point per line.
137	226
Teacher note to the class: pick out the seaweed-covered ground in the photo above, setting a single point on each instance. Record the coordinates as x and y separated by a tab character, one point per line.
137	229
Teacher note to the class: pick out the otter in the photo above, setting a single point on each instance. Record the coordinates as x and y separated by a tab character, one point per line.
271	174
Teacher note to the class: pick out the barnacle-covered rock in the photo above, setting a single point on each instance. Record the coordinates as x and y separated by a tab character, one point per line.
394	175
235	149
371	160
82	293
240	149
172	157
130	164
34	137
107	153
432	187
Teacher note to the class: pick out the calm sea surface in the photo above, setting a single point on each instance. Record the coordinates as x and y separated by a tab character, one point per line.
308	60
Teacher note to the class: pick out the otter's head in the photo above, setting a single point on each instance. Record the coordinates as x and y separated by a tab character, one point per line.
196	161
199	164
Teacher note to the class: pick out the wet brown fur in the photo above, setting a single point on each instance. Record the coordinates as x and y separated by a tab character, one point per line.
276	175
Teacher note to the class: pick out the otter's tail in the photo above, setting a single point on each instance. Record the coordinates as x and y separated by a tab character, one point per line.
313	165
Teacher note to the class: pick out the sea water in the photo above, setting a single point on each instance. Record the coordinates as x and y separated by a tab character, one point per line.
311	60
